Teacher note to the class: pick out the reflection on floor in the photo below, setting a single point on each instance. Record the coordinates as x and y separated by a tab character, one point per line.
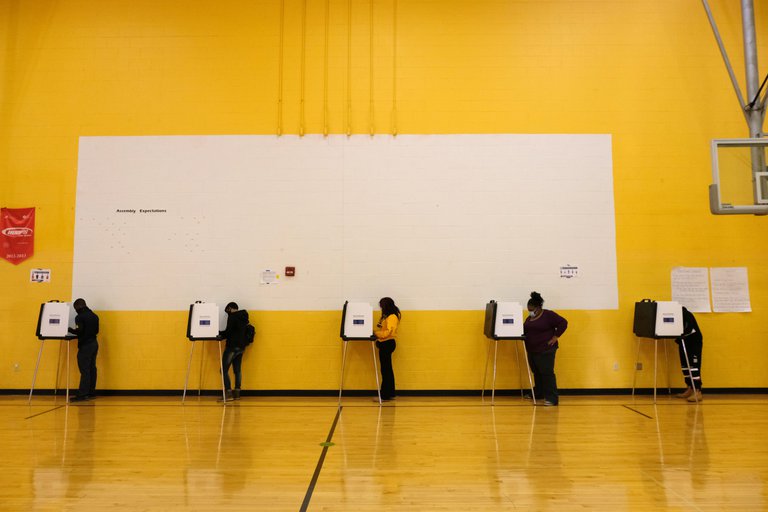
591	453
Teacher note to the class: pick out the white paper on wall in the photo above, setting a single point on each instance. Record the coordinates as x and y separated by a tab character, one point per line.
690	287
730	289
438	222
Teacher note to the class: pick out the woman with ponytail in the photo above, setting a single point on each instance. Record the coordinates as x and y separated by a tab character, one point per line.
385	341
542	330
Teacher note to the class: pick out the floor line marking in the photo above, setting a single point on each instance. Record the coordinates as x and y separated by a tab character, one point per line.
316	475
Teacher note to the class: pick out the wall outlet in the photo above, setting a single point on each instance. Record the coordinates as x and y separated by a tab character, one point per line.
616	366
638	366
16	367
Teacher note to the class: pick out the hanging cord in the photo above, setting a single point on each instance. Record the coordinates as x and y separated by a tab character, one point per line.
325	88
349	68
302	120
371	128
280	72
394	67
757	96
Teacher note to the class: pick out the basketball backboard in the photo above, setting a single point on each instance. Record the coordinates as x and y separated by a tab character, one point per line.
740	177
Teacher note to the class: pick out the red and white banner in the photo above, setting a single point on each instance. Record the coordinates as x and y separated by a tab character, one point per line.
17	234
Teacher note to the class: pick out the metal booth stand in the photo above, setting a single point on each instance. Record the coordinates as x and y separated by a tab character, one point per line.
662	320
357	326
203	325
53	324
503	321
655	364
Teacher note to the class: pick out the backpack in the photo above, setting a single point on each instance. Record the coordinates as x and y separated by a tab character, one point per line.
250	333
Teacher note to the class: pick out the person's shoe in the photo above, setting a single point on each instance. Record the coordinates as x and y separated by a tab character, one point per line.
90	397
236	394
527	396
546	403
685	394
227	397
698	397
78	398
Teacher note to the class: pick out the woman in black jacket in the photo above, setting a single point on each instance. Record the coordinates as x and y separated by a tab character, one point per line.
237	321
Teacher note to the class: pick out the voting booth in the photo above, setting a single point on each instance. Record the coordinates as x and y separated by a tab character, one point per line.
657	320
203	321
662	319
356	321
53	323
203	325
504	321
357	326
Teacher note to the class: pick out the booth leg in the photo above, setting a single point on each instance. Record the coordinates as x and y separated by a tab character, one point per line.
530	379
67	371
690	372
37	366
376	370
655	365
634	373
495	355
485	373
189	366
519	369
200	375
343	362
666	360
221	368
58	373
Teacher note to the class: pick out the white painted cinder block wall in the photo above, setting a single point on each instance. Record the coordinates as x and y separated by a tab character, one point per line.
439	222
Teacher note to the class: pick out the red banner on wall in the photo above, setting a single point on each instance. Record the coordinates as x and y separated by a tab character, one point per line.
17	234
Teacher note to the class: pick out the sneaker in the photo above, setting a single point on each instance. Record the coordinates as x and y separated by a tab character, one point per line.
685	394
547	403
698	397
527	396
227	397
236	394
78	398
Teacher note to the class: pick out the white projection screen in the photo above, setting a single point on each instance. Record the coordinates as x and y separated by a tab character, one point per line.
438	222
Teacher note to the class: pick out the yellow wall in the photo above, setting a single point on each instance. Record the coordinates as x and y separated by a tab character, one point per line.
648	73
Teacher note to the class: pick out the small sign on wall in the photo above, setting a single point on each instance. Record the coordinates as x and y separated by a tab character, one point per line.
40	275
269	277
569	271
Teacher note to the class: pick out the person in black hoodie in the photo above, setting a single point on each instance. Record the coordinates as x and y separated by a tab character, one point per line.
694	342
87	323
237	321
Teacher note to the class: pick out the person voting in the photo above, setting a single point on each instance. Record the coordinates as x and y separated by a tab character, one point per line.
385	332
237	336
87	327
694	341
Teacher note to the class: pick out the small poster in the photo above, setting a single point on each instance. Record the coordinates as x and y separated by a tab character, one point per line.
569	271
269	277
730	289
40	275
690	287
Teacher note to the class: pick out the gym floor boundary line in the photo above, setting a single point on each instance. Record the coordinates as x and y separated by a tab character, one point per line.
319	467
45	412
638	412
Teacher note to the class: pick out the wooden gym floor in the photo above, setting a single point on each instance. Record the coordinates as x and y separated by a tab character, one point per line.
416	454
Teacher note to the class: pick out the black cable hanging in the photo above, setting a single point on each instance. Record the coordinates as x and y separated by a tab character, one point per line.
757	96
